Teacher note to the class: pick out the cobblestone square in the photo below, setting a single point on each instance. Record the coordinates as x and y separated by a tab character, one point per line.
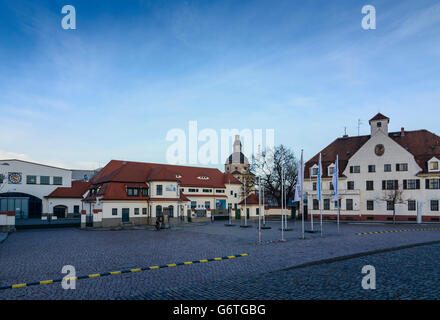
265	273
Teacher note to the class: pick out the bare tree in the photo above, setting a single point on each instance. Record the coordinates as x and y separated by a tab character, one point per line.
248	184
394	196
269	165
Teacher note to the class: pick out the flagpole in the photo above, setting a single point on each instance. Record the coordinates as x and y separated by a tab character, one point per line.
285	204
339	212
259	210
264	211
320	191
335	187
282	207
302	194
245	211
320	212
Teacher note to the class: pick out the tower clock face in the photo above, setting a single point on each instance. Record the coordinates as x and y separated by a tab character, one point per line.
379	150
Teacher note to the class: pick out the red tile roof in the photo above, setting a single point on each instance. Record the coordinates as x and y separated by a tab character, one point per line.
422	144
78	189
129	171
379	116
252	199
230	179
116	175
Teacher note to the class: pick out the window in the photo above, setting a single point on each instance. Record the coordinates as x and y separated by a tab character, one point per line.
314	171
232	192
326	204
235	195
371	168
433	166
314	186
114	211
315	204
136	211
401	167
159	190
193	204
31	179
387	168
182	190
44	180
434	205
207	190
411	205
57	181
349	204
432	183
75	209
350	185
379	124
331	170
370	185
207	204
144	211
390	205
220	191
355	169
411	184
144	192
193	190
370	205
132	192
390	184
331	186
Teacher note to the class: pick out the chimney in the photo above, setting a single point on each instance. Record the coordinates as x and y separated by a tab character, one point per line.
402	132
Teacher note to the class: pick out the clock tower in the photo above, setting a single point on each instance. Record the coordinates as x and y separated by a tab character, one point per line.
379	123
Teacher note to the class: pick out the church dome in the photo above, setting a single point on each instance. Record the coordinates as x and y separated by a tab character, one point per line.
237	157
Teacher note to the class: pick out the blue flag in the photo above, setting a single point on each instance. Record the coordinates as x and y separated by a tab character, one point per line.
319	178
335	180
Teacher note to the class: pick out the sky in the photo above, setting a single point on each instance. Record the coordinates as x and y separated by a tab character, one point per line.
133	70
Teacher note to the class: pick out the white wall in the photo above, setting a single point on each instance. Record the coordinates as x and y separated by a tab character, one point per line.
394	153
68	202
37	190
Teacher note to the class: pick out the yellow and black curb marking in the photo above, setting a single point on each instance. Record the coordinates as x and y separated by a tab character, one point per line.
97	275
394	231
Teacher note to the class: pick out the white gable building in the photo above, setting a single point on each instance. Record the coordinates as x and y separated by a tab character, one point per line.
379	173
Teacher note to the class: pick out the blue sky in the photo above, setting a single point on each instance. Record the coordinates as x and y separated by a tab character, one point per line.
132	70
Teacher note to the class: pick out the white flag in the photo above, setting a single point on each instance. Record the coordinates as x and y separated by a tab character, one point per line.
335	180
300	181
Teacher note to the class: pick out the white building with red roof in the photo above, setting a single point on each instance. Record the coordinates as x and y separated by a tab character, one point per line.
134	192
371	167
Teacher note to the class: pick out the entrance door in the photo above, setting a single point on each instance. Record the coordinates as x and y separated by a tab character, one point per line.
237	214
60	211
171	211
125	214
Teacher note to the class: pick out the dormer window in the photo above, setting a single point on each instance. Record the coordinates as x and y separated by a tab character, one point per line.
203	178
178	176
331	169
132	192
434	165
314	171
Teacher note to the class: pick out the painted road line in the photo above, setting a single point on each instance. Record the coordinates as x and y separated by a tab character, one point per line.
98	275
393	231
